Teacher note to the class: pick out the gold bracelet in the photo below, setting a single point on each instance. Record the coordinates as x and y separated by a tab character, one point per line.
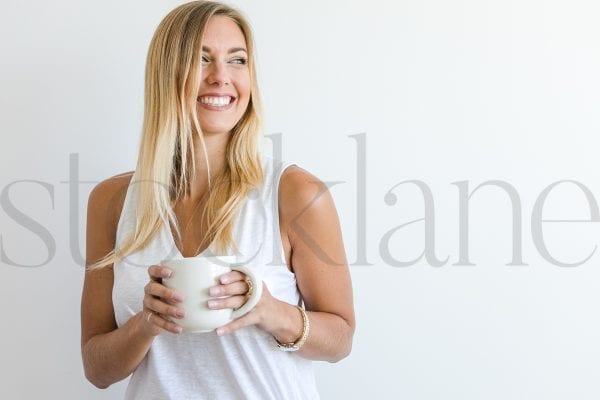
295	346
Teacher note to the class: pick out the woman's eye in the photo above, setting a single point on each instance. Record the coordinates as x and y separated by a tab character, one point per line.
240	60
205	59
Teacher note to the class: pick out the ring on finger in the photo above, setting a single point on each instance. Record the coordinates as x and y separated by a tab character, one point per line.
250	287
150	313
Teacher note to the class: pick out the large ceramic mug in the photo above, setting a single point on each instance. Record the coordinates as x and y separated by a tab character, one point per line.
192	277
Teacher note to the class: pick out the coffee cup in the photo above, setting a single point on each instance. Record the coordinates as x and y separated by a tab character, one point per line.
192	277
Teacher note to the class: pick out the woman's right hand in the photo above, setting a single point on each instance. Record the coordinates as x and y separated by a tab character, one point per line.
160	302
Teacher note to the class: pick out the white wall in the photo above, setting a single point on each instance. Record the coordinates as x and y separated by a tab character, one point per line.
446	91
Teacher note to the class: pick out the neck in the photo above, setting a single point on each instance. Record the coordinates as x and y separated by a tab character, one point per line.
216	145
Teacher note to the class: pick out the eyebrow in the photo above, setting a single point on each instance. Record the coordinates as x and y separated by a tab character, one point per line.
232	50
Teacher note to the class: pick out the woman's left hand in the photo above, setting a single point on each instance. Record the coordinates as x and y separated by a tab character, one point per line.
233	284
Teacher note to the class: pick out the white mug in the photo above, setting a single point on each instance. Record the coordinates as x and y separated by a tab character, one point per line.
192	277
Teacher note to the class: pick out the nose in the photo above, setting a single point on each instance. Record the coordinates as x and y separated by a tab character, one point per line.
217	74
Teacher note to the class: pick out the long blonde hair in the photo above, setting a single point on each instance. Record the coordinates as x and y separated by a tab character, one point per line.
166	162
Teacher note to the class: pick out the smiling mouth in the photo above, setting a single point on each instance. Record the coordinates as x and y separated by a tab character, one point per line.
216	101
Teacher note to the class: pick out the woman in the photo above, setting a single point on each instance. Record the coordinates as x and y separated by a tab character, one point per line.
199	165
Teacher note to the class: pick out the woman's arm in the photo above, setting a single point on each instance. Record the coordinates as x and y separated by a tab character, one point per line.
313	245
110	354
309	221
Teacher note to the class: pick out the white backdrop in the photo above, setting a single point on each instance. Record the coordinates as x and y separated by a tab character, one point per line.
446	94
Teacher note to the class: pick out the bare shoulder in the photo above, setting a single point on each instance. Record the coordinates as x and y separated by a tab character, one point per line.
108	195
116	182
307	212
300	190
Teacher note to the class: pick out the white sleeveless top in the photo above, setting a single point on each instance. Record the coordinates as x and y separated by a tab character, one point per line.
242	365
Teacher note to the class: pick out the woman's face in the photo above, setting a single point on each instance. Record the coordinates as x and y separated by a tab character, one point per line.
225	87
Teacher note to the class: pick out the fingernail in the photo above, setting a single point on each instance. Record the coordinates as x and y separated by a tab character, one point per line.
167	273
177	297
225	279
212	303
220	331
213	291
179	329
180	313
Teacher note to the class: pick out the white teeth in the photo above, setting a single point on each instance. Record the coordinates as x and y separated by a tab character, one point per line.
215	101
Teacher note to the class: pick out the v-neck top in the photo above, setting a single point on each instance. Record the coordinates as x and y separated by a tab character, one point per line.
242	365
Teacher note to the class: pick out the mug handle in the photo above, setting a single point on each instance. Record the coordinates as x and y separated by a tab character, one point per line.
256	290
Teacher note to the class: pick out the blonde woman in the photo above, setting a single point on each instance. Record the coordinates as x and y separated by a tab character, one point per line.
201	186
